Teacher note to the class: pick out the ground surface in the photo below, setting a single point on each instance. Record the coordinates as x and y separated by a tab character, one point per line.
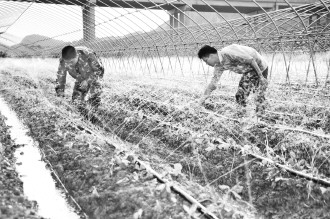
159	123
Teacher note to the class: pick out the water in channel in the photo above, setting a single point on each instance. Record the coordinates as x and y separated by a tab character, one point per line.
38	184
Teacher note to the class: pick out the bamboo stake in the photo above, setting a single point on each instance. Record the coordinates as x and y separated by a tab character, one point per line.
309	64
248	179
292	171
180	191
301	130
175	188
328	67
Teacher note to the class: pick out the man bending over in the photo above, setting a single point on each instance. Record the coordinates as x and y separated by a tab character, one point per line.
83	65
242	60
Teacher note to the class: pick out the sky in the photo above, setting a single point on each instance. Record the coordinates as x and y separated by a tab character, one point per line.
64	22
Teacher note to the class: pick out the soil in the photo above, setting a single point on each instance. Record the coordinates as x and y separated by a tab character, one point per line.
211	149
106	182
13	203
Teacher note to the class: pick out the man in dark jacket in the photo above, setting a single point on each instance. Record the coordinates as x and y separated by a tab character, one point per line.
83	65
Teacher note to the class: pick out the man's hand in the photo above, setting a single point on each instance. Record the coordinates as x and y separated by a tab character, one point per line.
59	92
202	100
84	85
193	104
263	81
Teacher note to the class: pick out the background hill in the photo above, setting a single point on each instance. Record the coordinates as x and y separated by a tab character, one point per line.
31	44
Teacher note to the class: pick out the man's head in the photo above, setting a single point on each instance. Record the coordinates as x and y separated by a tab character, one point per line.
209	55
69	55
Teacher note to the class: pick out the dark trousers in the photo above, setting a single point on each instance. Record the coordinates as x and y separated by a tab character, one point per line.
95	89
250	82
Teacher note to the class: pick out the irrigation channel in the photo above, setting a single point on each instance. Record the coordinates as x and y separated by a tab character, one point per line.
38	183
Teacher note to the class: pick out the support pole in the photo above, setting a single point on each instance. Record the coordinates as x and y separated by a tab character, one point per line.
178	14
310	20
182	19
88	12
318	22
172	20
176	17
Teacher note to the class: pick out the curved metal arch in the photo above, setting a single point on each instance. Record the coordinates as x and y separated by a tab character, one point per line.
189	18
119	39
162	37
327	8
175	48
310	48
19	16
132	21
231	27
282	22
279	33
149	37
64	33
117	18
242	17
204	19
46	9
9	10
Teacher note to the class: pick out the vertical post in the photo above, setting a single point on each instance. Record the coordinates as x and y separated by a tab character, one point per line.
88	12
327	77
171	20
318	22
310	20
271	69
181	19
176	17
309	65
178	14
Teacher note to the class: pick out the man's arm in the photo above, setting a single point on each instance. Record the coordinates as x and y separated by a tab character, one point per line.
215	79
96	68
256	67
262	79
61	79
212	85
